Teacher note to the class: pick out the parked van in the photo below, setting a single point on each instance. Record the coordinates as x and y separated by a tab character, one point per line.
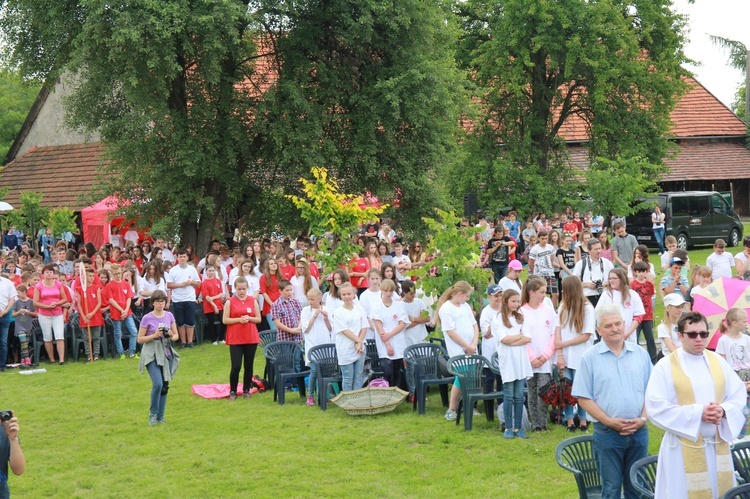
693	217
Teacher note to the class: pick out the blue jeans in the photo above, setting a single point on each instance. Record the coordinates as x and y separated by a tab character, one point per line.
130	326
159	389
568	411
659	236
499	270
4	326
513	404
312	382
353	375
615	455
297	368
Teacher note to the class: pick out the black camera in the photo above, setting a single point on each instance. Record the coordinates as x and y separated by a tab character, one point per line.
599	287
6	415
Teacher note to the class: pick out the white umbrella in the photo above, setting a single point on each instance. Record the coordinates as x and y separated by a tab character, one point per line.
5	206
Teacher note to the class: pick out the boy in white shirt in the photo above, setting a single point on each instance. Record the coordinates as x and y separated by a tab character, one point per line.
720	262
401	261
183	280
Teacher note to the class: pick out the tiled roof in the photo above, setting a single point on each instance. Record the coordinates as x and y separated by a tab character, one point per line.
695	160
64	174
709	160
698	114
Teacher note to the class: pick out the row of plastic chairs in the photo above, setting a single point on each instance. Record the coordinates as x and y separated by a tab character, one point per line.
577	456
424	357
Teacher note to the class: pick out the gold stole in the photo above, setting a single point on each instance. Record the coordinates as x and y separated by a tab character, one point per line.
694	454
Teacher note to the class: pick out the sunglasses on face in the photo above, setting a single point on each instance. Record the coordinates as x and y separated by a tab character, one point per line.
692	336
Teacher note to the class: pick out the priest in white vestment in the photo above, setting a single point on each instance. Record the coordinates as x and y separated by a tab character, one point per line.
699	401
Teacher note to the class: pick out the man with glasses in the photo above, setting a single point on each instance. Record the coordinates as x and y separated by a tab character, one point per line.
699	401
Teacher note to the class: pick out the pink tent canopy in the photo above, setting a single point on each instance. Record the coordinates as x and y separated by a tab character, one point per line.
96	220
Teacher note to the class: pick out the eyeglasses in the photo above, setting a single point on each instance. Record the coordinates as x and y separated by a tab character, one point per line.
692	336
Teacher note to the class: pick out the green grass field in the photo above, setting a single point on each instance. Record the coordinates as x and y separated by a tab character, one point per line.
84	434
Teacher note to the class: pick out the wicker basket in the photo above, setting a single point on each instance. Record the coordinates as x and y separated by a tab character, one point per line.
368	401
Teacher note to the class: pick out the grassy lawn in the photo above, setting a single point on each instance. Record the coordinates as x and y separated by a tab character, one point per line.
84	433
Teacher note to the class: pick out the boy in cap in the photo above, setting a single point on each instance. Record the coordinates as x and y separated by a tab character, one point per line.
674	281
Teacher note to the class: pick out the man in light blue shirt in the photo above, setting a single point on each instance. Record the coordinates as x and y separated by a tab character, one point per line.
610	384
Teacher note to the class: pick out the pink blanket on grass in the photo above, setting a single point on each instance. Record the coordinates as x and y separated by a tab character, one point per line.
217	391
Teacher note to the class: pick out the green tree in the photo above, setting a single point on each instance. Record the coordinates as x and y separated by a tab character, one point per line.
30	216
61	220
215	107
457	258
370	89
16	98
620	186
612	66
738	106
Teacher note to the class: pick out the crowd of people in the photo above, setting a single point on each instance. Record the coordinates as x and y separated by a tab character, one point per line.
583	285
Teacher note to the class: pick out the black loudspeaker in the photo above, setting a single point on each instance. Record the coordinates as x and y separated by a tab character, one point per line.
470	204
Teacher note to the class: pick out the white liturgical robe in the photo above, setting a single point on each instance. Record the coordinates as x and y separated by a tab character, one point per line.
685	420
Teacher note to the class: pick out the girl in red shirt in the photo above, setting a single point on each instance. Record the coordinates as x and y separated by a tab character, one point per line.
358	267
269	288
90	313
213	295
241	316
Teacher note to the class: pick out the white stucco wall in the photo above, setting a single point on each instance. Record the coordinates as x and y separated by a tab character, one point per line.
48	129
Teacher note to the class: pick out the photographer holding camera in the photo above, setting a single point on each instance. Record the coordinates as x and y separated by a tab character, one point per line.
158	356
593	271
10	451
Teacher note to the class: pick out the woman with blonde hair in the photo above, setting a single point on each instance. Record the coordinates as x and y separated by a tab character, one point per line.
302	281
573	337
460	329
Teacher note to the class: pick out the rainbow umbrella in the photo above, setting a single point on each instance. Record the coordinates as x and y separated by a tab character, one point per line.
718	298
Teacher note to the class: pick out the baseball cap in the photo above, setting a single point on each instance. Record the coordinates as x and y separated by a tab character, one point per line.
676	261
515	265
493	289
674	300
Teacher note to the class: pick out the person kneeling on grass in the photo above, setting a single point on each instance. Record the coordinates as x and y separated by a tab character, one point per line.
157	355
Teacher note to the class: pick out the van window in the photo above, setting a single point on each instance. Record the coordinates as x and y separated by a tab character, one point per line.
718	203
690	206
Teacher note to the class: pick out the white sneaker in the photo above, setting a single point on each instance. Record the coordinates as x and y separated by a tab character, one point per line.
223	342
215	343
450	415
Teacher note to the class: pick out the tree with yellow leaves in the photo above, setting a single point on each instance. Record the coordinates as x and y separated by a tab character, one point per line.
334	214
